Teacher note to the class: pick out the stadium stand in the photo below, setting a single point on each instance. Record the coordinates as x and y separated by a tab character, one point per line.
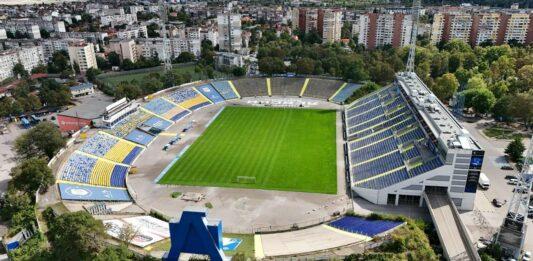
159	106
344	92
78	168
383	135
181	95
282	86
251	87
225	90
111	148
209	91
195	103
125	126
156	122
175	113
321	88
364	226
139	137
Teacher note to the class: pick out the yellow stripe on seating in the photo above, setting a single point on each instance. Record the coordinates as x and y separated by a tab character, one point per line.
304	87
119	152
104	159
174	111
200	93
269	89
168	134
337	92
194	101
234	89
101	174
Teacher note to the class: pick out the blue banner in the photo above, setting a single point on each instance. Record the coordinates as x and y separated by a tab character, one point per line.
82	192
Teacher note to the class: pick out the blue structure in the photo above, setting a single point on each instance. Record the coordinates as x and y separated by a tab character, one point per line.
364	226
92	193
195	234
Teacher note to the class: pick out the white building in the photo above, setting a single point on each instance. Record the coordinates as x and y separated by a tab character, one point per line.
229	32
132	32
151	47
50	46
29	57
136	8
118	19
126	49
229	59
83	55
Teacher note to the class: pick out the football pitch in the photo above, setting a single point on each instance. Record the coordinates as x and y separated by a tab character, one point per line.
262	148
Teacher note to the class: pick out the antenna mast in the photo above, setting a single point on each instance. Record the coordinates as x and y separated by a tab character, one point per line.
414	32
166	41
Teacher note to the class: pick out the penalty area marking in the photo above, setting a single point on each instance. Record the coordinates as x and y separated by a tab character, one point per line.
156	180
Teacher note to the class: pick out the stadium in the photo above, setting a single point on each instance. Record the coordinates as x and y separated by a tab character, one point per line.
250	147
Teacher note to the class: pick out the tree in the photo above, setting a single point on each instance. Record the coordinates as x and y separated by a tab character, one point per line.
113	58
271	65
185	57
522	107
354	70
476	82
54	94
116	253
42	140
13	203
45	34
445	86
305	66
367	88
238	71
500	88
102	63
525	76
59	62
19	71
126	89
127	233
92	73
515	149
31	174
501	109
481	99
75	236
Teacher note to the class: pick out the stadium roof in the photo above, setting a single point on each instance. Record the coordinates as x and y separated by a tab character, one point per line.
441	122
91	107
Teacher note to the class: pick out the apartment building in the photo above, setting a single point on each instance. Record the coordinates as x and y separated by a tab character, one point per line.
118	19
132	32
82	54
50	46
153	47
378	29
479	27
327	22
29	57
229	31
125	48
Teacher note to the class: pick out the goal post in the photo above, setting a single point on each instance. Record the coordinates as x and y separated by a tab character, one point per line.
245	180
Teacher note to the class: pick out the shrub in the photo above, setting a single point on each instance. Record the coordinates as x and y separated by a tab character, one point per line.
175	194
208	205
158	215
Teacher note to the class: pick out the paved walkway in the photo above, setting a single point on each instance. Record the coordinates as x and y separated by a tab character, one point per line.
318	238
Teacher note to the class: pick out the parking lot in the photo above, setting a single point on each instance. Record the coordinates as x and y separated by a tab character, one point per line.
486	219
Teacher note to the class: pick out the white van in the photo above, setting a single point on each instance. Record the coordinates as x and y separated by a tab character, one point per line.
484	181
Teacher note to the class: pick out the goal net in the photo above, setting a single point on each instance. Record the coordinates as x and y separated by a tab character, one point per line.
245	180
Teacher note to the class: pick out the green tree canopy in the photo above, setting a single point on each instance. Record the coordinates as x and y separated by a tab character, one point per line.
481	99
515	149
75	236
31	174
445	86
42	140
476	82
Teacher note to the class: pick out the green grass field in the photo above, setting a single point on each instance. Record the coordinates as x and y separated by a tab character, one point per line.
113	80
284	149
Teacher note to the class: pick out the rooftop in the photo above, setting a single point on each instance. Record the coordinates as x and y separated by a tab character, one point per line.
90	106
441	122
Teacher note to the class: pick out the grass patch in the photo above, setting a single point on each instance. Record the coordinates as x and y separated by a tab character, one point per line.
502	133
113	80
263	148
208	205
175	194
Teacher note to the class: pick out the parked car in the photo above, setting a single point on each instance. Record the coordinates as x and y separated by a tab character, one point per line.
507	167
512	181
526	256
498	203
509	177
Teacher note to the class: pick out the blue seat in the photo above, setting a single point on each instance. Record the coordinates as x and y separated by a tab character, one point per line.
209	91
364	226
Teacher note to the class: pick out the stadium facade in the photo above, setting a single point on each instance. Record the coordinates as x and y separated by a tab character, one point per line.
402	142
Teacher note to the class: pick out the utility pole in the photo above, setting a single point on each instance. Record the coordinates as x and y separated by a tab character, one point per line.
166	42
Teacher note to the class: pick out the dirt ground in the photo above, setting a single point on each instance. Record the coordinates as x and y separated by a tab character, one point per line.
242	210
